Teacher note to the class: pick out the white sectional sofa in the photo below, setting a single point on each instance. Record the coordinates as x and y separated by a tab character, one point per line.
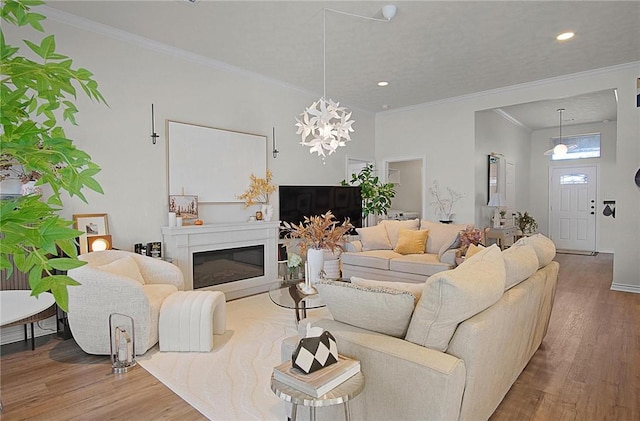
452	351
375	255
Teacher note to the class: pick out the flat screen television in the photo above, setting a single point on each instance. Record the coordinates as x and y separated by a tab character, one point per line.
296	202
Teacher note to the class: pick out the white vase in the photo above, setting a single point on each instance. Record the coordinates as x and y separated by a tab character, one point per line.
315	261
267	212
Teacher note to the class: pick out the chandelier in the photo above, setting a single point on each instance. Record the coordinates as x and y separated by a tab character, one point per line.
324	126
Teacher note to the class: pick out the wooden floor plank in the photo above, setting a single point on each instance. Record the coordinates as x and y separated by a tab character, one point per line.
588	367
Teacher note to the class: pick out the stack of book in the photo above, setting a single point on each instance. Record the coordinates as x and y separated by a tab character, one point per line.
320	381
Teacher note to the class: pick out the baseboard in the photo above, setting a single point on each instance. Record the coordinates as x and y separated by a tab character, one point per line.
625	288
16	333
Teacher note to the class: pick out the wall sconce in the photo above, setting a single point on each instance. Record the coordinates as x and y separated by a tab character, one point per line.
154	135
99	242
273	139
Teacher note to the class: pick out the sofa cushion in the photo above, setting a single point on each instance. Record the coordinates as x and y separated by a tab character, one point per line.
452	296
378	259
374	238
520	262
125	266
394	228
544	247
420	264
379	309
413	287
441	235
411	241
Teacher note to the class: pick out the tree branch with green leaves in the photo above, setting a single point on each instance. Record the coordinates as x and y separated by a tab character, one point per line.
35	96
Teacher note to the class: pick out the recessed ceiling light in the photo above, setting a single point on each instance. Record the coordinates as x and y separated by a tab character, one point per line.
565	36
385	106
383	83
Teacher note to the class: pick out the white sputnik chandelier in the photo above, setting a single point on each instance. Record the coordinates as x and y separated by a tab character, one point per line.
325	126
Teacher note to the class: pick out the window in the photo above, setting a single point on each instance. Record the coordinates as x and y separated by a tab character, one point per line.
586	146
574	179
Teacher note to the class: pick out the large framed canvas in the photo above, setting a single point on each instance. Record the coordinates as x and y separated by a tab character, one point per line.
214	164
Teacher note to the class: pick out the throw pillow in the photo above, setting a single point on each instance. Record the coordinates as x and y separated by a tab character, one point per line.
374	238
394	228
440	234
520	262
414	288
125	266
544	247
411	242
473	249
453	296
379	309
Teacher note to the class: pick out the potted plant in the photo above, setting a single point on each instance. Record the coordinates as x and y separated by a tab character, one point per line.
526	223
38	94
317	234
376	195
258	192
443	204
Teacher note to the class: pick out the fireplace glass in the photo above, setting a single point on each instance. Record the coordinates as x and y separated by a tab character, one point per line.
218	267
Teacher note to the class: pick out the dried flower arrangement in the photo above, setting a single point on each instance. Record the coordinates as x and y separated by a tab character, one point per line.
319	232
444	205
468	236
259	190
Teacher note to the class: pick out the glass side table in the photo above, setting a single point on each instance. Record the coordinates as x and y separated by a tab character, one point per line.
340	394
286	294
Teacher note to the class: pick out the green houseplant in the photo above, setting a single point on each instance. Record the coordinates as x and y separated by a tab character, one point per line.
35	97
526	223
376	195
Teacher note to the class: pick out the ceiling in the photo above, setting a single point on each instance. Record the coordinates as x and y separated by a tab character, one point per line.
430	51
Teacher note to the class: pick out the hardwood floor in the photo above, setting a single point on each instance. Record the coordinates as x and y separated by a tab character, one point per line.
588	367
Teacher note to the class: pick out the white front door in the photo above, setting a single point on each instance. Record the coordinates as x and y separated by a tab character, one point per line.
572	214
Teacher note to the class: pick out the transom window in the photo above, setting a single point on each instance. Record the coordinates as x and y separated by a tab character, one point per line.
580	146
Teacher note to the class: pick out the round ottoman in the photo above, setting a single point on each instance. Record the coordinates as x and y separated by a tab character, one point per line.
189	319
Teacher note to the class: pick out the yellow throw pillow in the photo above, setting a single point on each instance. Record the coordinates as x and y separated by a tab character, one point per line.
473	249
411	241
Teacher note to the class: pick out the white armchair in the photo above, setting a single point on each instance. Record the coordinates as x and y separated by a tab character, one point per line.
115	281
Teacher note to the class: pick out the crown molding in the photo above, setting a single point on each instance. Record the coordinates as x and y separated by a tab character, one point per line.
147	43
511	119
511	88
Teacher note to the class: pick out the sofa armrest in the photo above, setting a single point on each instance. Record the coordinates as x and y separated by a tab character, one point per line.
156	271
353	246
403	380
449	256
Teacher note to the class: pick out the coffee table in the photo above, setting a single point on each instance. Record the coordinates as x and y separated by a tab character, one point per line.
286	294
19	307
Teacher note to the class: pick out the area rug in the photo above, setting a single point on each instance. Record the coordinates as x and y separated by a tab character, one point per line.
232	381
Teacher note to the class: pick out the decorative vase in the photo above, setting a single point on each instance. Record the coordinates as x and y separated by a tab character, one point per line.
315	260
267	212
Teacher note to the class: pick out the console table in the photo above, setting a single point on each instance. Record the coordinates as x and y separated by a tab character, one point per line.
504	237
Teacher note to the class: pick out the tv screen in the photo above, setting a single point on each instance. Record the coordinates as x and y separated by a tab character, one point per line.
296	202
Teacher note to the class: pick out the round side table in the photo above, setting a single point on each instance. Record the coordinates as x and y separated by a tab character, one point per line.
340	394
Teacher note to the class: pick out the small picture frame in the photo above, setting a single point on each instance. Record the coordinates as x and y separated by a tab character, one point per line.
91	225
184	205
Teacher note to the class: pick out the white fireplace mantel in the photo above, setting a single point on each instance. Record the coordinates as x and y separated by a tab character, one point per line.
180	243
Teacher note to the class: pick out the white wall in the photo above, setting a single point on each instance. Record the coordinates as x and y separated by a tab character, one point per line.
606	164
132	75
493	133
408	192
445	132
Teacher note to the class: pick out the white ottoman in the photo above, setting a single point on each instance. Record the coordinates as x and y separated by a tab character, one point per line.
189	319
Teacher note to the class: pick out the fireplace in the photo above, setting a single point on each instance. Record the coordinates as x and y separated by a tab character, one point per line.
217	267
237	258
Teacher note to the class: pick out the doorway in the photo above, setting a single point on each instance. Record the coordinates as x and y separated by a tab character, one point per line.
408	177
572	208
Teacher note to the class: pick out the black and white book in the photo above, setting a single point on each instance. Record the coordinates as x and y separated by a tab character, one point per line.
320	381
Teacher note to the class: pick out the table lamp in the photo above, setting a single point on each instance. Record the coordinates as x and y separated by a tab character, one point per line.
496	201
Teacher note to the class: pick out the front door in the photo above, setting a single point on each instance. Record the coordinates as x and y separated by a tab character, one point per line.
572	214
